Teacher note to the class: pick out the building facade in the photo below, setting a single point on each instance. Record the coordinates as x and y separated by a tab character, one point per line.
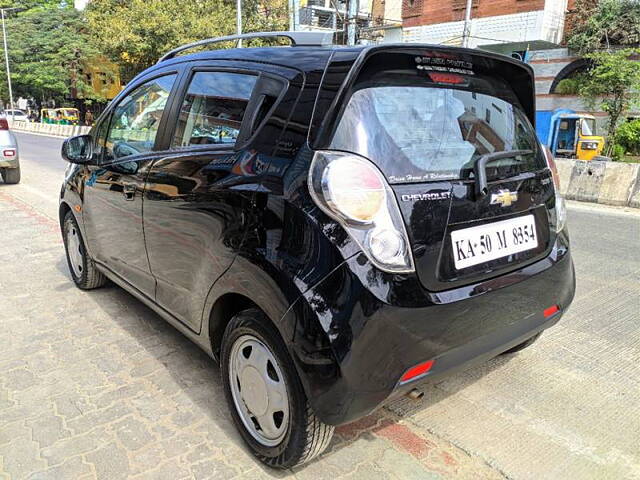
524	24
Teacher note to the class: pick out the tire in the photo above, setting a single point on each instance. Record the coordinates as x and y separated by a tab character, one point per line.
11	175
523	345
82	268
303	435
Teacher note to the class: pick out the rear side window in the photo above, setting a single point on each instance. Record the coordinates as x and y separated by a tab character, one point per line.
416	130
213	108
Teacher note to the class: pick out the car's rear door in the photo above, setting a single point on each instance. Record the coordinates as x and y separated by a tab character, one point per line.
198	194
434	122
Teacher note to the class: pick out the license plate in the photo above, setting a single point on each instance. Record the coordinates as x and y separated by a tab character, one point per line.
475	245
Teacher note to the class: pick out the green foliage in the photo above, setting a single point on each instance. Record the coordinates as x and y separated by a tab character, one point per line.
597	25
617	153
628	137
612	84
46	48
135	33
568	86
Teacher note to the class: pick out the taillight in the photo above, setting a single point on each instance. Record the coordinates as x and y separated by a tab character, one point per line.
4	123
9	153
354	188
351	189
560	206
551	163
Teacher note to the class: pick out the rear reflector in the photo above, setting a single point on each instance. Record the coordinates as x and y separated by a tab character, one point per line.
551	311
9	153
416	371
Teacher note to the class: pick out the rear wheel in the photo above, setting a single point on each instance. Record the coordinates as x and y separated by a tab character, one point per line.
83	269
524	344
11	175
264	393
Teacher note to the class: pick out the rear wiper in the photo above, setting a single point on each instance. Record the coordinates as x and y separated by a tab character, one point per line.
480	167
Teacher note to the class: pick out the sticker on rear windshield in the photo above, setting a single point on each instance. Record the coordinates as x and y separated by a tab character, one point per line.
422	178
440	64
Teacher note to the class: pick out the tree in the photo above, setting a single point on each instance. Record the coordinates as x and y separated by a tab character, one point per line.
136	33
594	25
613	82
47	48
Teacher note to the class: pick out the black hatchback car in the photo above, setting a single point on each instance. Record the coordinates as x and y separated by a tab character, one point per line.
333	224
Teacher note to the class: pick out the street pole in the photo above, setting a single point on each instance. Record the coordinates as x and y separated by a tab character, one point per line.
352	19
239	20
466	32
6	59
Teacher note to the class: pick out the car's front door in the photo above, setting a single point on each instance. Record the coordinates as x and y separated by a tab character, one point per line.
114	187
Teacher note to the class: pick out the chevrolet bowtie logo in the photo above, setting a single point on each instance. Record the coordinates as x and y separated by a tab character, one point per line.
504	197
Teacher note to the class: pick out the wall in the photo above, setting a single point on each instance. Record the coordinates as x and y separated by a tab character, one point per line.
47	129
429	12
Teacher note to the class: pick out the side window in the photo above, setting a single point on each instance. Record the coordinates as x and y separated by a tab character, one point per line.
135	120
212	110
100	138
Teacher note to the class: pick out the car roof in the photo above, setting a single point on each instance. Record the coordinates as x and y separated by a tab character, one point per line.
309	58
304	58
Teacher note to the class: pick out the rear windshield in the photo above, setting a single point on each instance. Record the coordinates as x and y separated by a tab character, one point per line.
416	130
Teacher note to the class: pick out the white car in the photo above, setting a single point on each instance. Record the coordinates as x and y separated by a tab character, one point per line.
17	115
9	157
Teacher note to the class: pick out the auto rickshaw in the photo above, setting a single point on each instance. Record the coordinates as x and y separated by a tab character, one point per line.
60	116
570	135
48	115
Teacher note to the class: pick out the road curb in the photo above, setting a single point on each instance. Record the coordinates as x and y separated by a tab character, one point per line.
608	183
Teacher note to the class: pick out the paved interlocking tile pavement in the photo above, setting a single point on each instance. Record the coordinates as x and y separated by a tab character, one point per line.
95	385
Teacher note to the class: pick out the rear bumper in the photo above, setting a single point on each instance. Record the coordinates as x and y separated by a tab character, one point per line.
369	342
9	163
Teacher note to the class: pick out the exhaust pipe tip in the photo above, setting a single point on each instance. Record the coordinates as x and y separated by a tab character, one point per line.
415	394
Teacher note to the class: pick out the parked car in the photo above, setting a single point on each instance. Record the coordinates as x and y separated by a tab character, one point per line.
10	158
17	115
334	225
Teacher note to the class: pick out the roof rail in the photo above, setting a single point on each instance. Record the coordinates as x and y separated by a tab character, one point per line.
309	39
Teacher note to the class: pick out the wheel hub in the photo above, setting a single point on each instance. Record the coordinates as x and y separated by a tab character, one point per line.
259	390
254	391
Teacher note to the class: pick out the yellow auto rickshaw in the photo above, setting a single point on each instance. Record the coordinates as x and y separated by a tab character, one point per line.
60	116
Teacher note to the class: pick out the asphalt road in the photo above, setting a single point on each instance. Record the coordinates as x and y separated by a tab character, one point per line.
566	408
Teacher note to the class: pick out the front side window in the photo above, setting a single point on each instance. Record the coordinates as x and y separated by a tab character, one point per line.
136	119
213	108
588	126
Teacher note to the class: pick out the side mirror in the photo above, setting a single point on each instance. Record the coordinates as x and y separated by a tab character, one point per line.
78	149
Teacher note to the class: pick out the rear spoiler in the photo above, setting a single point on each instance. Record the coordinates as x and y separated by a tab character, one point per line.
345	65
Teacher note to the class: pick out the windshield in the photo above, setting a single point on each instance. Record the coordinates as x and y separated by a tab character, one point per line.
420	133
588	126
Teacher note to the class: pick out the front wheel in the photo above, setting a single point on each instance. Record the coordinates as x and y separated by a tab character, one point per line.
264	393
82	267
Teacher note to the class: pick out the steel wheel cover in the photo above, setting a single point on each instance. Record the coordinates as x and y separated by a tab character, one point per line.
259	390
74	249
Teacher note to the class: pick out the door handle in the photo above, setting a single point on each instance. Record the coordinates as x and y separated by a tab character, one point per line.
129	191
